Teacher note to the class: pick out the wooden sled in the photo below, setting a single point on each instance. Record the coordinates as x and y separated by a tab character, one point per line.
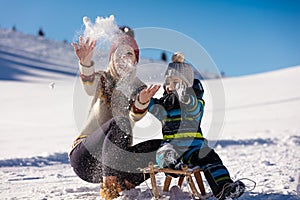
184	173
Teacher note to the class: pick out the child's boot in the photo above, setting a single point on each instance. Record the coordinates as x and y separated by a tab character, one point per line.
232	190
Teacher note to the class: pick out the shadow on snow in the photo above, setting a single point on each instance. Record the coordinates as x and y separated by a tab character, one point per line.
37	161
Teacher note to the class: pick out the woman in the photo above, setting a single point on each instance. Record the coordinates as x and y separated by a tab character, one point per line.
103	151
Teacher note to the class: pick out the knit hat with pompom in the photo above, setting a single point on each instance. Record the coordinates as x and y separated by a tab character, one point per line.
179	69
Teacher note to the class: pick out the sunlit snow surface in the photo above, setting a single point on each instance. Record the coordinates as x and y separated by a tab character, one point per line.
260	138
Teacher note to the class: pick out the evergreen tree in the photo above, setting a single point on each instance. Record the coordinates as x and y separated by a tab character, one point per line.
41	33
164	56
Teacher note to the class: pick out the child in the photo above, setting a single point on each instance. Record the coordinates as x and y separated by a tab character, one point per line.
180	111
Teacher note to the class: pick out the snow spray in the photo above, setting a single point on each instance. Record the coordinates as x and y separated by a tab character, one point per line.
103	30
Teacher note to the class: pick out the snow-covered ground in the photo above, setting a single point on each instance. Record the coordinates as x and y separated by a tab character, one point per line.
259	140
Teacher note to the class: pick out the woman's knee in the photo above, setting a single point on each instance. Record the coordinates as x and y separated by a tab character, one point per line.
85	165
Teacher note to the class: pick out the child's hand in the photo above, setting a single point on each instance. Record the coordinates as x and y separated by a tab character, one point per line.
147	93
181	91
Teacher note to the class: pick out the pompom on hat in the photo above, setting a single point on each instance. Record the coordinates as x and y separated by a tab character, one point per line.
178	68
127	30
125	39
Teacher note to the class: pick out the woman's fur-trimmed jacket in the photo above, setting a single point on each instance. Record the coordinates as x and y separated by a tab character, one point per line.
112	97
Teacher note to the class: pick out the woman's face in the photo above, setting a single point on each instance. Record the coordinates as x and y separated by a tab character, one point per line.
124	60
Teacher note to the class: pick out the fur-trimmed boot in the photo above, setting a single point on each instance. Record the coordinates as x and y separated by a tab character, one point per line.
110	188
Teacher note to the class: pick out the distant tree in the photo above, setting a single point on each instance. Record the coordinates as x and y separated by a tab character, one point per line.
41	33
164	56
14	28
65	41
222	73
127	30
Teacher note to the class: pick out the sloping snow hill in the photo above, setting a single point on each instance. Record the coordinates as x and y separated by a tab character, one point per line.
28	58
260	138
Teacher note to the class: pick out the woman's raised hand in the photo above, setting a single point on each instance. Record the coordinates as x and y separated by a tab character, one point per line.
147	93
84	50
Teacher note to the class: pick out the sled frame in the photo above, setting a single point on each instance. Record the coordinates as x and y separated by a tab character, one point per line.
184	173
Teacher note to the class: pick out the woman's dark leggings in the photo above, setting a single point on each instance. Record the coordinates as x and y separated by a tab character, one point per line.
107	152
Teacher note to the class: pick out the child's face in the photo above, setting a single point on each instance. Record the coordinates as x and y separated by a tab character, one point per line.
171	82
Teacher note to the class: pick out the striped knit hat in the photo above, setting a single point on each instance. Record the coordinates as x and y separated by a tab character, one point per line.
178	68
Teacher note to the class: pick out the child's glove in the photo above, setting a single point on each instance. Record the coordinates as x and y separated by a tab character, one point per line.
181	91
169	101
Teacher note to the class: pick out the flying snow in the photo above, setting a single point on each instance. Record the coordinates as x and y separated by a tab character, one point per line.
104	29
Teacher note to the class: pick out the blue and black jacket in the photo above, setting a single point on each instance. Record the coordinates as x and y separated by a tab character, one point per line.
180	122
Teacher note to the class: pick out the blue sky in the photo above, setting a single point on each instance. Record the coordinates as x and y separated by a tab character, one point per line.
241	36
